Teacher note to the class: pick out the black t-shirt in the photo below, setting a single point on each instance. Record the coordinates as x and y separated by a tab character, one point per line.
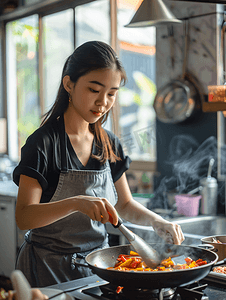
41	158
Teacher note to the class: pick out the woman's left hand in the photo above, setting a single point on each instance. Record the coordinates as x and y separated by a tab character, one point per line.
169	231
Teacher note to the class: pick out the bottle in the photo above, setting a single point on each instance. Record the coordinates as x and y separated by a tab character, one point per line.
209	195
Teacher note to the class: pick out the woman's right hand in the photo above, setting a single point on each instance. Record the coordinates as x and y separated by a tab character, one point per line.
96	208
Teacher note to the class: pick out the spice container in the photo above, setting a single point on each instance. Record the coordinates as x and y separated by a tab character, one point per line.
209	195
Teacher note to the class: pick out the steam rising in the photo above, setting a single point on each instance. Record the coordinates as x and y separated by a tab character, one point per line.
189	162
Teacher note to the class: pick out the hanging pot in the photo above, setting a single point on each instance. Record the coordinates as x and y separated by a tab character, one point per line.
179	99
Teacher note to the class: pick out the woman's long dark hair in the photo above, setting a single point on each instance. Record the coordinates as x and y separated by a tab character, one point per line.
88	57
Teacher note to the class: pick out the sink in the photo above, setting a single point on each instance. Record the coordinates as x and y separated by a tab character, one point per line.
203	225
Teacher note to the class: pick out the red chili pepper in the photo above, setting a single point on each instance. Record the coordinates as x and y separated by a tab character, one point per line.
135	263
119	289
201	262
188	260
121	258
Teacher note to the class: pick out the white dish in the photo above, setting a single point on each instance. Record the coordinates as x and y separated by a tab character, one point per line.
51	292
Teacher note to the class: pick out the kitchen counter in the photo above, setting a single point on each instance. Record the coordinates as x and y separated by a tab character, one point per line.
215	292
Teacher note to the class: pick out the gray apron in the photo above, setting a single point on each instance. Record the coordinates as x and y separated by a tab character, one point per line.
47	256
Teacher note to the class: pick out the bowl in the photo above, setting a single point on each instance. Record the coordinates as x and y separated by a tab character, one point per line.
219	249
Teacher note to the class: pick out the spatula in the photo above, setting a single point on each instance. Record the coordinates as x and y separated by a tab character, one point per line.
149	255
179	259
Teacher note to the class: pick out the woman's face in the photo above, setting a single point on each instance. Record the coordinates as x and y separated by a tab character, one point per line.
94	94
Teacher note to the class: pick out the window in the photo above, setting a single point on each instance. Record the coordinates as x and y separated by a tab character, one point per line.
137	115
35	61
92	22
58	45
23	110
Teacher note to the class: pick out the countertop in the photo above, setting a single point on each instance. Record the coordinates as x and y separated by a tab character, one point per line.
215	292
8	188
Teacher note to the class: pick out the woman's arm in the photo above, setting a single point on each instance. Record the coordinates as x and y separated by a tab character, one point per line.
134	212
30	213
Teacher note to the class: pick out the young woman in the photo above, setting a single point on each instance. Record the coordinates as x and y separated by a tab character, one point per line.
72	173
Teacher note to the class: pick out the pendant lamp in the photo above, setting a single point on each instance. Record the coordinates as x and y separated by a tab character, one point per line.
153	13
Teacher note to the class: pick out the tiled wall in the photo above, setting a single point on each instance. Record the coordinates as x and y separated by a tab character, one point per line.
203	43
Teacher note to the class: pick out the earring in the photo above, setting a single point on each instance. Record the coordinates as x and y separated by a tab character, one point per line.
69	98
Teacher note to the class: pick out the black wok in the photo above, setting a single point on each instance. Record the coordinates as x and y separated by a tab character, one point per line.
100	260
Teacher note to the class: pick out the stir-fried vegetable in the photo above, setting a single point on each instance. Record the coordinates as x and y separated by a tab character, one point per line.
133	262
221	270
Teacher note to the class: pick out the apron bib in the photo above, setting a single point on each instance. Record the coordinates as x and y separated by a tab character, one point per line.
46	258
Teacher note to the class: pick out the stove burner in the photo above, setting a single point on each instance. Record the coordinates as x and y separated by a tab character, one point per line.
109	292
137	294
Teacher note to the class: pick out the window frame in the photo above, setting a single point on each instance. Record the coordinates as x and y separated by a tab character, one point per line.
3	104
49	7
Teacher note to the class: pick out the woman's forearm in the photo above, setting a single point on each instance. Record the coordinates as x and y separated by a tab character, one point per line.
42	214
136	213
35	215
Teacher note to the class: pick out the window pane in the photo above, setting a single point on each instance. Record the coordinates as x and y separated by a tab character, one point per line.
137	116
58	45
3	146
22	81
92	22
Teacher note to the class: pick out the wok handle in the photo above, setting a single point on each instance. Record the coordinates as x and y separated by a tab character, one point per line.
75	261
219	263
207	247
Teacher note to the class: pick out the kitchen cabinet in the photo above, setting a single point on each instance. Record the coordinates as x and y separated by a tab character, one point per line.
7	235
10	236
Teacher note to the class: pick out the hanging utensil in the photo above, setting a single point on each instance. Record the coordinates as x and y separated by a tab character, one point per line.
179	99
171	38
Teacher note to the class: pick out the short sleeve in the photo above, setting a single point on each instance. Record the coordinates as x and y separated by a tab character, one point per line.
33	160
120	166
